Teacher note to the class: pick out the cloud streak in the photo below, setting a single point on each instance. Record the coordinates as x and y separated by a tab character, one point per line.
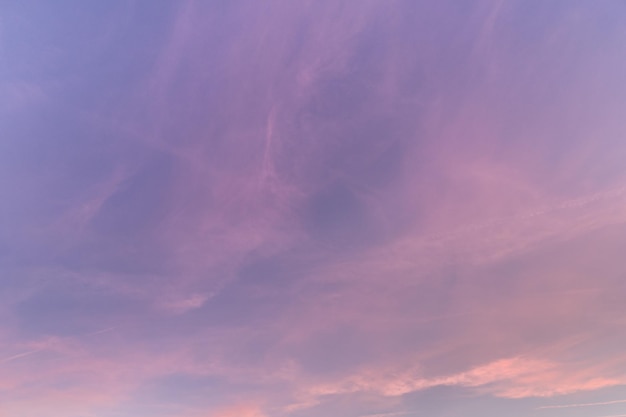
583	405
303	209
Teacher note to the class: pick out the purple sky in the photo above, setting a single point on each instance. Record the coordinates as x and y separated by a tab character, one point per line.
312	208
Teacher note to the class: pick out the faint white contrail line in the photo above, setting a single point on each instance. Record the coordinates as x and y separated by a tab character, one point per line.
19	355
32	352
584	405
107	330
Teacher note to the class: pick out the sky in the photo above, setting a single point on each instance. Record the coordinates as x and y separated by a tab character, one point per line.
312	208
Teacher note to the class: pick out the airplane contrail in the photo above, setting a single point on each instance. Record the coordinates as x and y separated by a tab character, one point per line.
19	355
31	352
107	330
583	405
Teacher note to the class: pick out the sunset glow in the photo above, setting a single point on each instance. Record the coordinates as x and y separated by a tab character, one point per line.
312	208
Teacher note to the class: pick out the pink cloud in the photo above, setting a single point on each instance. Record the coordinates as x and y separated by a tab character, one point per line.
267	208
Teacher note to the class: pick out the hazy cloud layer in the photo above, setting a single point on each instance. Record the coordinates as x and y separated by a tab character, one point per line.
312	208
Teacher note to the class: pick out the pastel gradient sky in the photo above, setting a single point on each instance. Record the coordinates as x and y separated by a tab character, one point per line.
312	208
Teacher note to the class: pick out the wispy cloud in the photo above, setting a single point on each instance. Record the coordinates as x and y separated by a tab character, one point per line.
310	208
